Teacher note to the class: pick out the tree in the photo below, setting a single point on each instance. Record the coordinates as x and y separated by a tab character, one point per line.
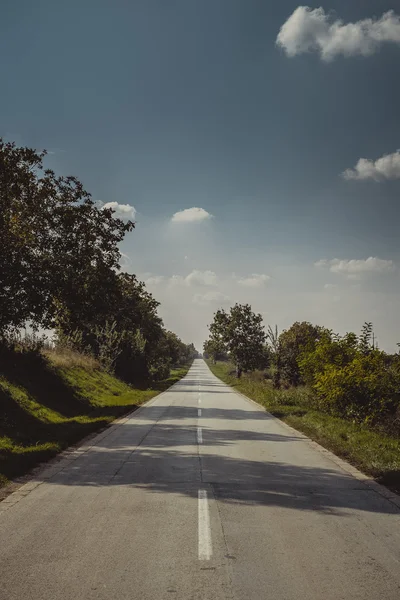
329	349
273	339
179	352
136	313
215	349
59	269
293	342
241	333
365	341
59	250
366	389
192	353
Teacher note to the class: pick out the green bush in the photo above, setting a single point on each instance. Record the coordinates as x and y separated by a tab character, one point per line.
160	370
365	390
330	350
292	343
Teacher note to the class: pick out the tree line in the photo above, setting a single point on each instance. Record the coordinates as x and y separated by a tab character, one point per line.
60	270
348	375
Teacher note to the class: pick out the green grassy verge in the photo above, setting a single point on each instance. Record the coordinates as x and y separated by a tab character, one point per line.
46	406
372	452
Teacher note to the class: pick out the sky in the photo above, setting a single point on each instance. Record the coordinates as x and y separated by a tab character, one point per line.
255	142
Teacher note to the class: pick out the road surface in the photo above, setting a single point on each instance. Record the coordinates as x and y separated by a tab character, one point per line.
199	495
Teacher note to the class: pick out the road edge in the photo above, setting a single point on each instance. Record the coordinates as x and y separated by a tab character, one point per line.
46	470
340	462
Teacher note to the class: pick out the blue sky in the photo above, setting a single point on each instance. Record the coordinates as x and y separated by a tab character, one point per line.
251	110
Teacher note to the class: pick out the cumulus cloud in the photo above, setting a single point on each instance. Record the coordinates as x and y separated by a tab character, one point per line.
201	278
308	30
191	215
321	263
211	298
255	280
384	168
354	268
121	211
154	280
195	278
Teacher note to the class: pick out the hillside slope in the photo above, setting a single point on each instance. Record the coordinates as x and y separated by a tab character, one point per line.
50	402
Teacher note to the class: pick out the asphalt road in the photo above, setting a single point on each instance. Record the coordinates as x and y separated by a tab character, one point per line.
199	495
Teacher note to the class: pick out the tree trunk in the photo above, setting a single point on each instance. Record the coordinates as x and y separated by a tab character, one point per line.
238	372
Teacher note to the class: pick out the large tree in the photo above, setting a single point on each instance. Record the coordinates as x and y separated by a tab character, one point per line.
241	332
134	310
292	343
59	250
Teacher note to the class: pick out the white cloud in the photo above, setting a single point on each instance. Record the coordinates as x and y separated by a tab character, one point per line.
122	211
300	295
211	298
154	280
191	215
176	280
193	279
201	278
255	280
321	263
330	286
385	167
310	29
354	268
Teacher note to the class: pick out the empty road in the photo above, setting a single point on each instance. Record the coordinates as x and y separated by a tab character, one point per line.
198	495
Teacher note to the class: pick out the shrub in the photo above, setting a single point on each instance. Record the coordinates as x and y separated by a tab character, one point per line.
292	344
365	390
329	350
160	370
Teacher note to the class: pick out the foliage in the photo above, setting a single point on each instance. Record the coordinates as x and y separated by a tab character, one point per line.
59	250
347	376
330	349
365	389
350	377
59	270
273	339
177	351
108	342
291	345
215	349
241	334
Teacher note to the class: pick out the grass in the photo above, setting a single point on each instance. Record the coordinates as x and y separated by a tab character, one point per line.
48	402
374	453
68	358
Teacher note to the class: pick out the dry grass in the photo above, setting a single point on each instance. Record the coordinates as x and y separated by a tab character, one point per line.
66	358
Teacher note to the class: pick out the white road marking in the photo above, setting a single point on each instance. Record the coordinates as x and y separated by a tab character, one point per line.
199	412
205	545
199	435
199	398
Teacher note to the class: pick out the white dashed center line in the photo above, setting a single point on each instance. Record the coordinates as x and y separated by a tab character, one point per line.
205	545
199	435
